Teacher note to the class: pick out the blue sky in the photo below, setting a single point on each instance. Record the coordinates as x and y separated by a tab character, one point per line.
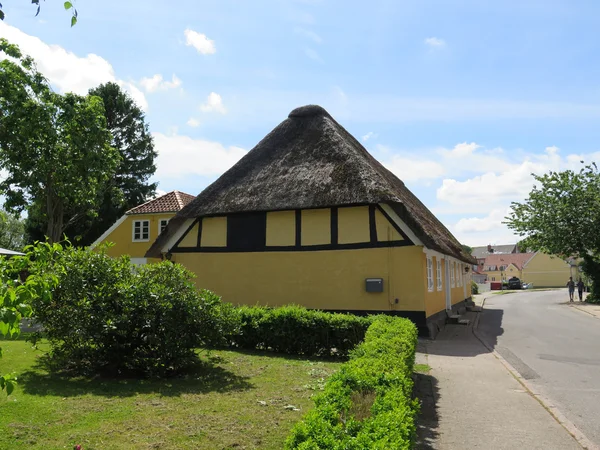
461	99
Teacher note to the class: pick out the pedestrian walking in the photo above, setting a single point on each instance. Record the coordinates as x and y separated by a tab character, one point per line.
571	286
580	286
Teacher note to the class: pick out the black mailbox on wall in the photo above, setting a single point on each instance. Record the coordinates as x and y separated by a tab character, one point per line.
374	284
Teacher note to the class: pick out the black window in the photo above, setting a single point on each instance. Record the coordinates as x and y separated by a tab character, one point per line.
247	232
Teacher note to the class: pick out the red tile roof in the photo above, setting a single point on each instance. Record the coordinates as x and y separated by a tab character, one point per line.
518	259
171	202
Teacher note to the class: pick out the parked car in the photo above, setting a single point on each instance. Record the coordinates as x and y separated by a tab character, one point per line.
514	283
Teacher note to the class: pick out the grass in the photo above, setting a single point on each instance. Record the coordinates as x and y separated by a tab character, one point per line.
422	368
235	400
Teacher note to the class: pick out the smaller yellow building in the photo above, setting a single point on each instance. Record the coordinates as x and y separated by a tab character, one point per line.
139	227
538	269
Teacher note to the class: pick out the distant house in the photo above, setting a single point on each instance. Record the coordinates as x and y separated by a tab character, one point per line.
482	252
540	269
309	217
139	227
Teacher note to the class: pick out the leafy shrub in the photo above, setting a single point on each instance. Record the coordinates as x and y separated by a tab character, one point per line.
111	317
16	294
297	330
474	288
383	365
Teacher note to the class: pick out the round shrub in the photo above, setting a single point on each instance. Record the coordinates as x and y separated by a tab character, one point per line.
108	316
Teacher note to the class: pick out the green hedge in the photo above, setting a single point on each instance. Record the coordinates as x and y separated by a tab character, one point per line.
367	404
297	330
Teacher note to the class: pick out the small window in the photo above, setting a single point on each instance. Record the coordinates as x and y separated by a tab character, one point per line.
141	230
429	275
439	275
162	224
493	278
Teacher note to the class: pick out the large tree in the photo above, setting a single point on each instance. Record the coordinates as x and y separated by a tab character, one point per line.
562	217
55	148
129	186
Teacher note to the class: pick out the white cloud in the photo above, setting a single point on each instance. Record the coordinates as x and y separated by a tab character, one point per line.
434	42
180	155
490	222
157	83
192	122
159	193
66	71
369	135
214	102
309	34
411	169
312	54
200	42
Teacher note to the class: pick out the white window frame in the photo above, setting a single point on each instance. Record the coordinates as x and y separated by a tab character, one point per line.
453	274
141	227
429	274
459	274
438	274
160	227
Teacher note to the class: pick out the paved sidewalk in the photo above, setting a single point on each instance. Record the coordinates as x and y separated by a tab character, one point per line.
471	401
590	308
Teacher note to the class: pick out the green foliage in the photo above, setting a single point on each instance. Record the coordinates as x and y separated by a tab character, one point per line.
67	5
297	330
562	217
107	316
474	288
591	267
17	292
383	364
12	231
55	148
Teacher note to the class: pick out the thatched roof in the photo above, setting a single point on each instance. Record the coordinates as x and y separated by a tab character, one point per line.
311	161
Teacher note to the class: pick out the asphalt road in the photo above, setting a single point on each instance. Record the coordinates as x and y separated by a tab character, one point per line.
553	346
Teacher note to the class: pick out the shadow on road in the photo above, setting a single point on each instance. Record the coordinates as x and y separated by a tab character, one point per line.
490	325
426	390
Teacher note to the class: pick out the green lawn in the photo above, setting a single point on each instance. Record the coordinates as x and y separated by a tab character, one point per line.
238	401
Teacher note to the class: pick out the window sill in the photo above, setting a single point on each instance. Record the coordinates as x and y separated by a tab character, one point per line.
140	240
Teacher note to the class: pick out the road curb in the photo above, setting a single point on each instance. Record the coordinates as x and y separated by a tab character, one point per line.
583	310
543	400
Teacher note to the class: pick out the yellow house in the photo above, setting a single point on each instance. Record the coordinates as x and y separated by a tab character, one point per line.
545	270
309	217
139	227
539	269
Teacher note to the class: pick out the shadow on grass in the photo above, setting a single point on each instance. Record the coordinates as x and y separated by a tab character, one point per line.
426	390
204	377
272	354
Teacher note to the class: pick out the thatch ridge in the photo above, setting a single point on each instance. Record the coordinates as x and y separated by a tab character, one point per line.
309	161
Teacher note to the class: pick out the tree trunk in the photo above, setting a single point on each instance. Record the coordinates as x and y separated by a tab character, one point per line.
54	212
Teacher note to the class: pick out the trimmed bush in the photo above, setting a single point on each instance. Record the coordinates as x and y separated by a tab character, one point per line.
297	330
107	316
367	404
474	288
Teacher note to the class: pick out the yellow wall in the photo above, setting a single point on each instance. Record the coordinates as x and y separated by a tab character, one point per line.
353	225
329	279
122	236
316	226
214	232
546	271
385	231
281	228
434	301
